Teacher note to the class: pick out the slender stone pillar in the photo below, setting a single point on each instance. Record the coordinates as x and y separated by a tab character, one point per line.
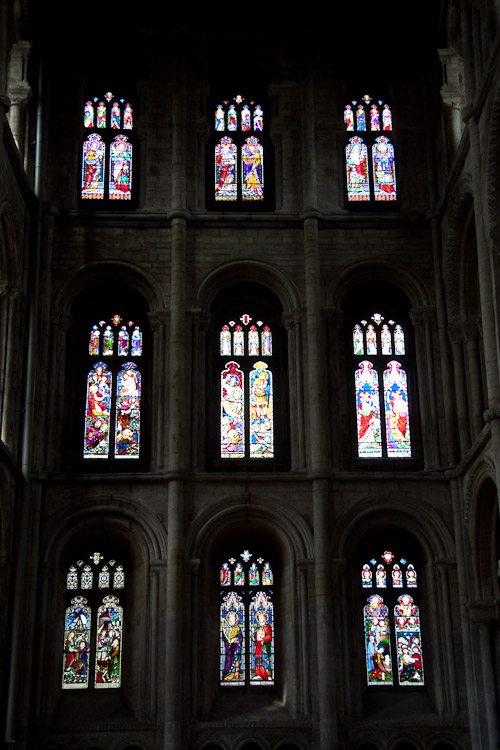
174	685
481	616
451	684
319	444
462	407
19	92
473	367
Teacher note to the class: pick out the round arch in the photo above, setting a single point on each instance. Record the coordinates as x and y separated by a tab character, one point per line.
252	271
221	516
116	272
405	279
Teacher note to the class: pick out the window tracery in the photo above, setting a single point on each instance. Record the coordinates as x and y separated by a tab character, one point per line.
113	393
369	155
247	622
395	632
93	624
107	150
381	389
246	390
240	154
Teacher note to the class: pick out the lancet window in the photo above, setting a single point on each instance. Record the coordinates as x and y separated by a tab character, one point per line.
107	149
379	349
239	142
369	151
391	620
93	624
247	621
113	390
246	389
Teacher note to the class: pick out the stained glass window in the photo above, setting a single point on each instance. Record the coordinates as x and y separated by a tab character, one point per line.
247	630
113	179
381	383
239	156
246	390
370	158
397	632
113	399
93	627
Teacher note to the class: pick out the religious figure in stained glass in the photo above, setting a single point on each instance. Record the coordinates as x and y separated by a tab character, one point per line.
120	169
128	117
245	118
396	411
358	187
136	342
232	121
366	577
386	118
261	412
261	622
108	644
360	118
115	116
385	339
357	340
226	170
97	412
384	175
95	338
371	340
225	341
232	401
253	342
374	118
232	642
411	577
94	150
399	340
101	115
380	577
267	575
408	641
377	642
258	121
368	411
349	117
252	158
88	115
123	342
76	644
238	342
219	118
266	342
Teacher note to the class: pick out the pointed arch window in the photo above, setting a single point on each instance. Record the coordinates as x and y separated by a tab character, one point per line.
369	152
391	622
113	390
246	389
107	154
239	155
247	622
93	624
381	389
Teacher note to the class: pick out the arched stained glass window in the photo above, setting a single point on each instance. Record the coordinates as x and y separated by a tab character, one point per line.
370	157
356	159
240	153
107	177
247	630
120	169
246	390
108	657
93	627
397	632
113	399
381	383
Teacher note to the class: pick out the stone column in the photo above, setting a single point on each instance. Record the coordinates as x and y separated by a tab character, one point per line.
174	684
318	431
471	340
462	404
424	362
450	689
296	393
4	56
481	615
